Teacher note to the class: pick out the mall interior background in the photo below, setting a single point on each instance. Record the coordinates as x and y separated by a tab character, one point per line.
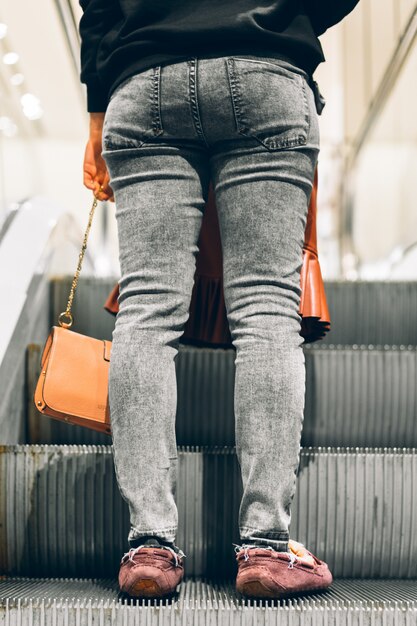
367	213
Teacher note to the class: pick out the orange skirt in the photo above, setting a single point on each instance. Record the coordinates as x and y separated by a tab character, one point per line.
207	323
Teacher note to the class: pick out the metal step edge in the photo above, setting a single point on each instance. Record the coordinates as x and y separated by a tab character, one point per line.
209	449
349	592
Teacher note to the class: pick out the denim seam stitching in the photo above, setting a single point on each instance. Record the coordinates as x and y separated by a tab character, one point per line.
236	96
156	101
192	80
230	78
122	492
306	107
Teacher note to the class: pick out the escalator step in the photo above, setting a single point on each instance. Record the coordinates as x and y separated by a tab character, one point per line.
72	602
61	513
355	396
361	311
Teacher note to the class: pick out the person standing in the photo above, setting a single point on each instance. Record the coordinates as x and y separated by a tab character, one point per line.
181	92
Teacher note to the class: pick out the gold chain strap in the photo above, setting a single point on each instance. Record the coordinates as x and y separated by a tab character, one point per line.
67	313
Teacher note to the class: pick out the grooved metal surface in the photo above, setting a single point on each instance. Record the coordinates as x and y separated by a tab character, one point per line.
362	312
360	396
30	326
372	312
89	602
355	396
61	513
346	591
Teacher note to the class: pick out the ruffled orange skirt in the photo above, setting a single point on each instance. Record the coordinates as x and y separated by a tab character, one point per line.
207	323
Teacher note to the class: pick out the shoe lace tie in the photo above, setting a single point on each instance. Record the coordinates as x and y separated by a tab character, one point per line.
129	556
246	547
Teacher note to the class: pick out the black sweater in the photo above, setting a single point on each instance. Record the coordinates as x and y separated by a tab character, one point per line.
122	37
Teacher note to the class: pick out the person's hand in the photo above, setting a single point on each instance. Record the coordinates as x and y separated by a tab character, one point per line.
95	174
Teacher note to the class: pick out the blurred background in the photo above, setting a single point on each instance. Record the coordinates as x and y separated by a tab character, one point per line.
367	213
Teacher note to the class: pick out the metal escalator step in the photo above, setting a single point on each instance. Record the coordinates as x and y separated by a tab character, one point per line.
61	513
75	601
372	312
362	395
362	311
355	396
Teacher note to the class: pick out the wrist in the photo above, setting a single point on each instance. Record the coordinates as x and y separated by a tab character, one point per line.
96	122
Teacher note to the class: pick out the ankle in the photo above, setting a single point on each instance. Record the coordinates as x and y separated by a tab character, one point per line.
280	546
134	543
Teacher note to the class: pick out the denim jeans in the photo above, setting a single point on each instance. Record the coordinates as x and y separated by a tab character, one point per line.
250	124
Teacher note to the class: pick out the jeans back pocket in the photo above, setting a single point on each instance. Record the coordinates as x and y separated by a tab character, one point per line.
133	114
270	102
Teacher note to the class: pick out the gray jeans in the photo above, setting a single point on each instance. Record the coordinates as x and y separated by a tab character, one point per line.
250	124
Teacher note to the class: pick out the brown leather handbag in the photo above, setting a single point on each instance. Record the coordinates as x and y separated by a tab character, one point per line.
207	324
73	383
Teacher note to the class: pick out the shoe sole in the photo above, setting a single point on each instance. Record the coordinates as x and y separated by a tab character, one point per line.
149	588
255	589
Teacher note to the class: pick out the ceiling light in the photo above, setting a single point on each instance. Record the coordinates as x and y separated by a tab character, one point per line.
17	79
29	99
7	126
33	114
31	106
10	58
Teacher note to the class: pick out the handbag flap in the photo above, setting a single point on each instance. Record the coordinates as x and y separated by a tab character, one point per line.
76	380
